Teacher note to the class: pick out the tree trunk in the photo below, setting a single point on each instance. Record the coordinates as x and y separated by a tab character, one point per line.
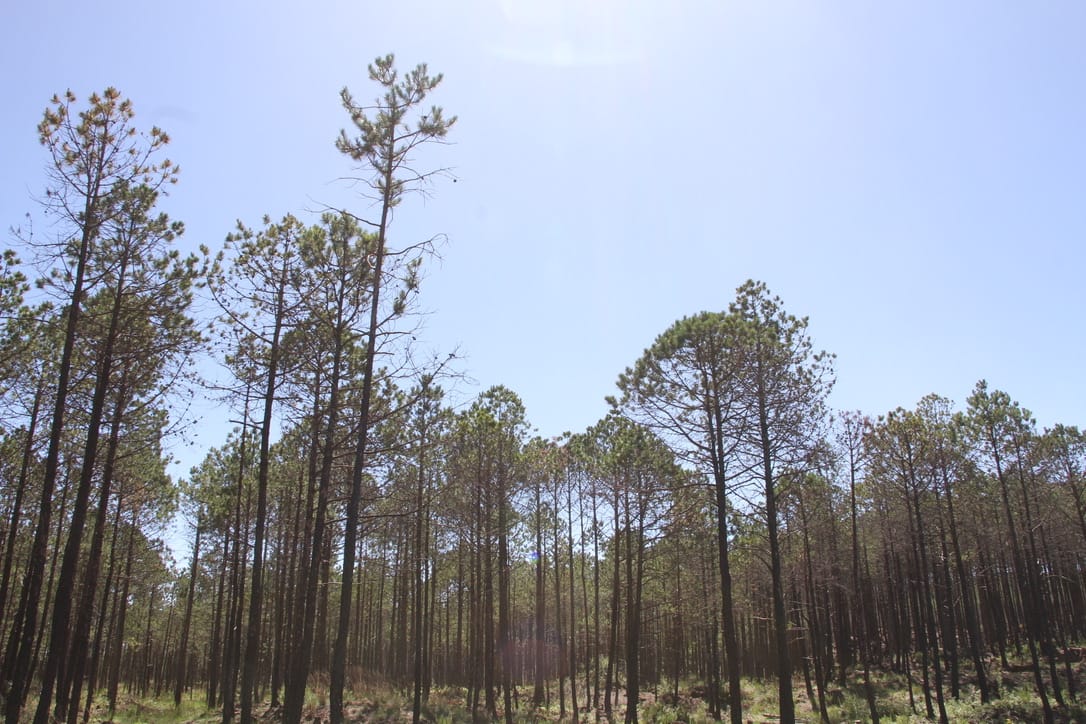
976	647
417	618
17	663
256	597
57	653
299	666
540	603
635	570
70	690
118	633
856	592
107	593
16	511
182	654
612	648
780	620
572	607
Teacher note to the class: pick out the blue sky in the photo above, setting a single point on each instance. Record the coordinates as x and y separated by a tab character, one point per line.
910	175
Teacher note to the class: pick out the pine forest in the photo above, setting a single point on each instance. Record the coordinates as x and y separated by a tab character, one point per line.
370	543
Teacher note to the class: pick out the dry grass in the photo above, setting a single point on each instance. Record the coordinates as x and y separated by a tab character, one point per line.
372	698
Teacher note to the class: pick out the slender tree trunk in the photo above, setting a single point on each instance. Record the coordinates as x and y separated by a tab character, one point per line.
284	568
540	603
595	606
677	641
1022	579
182	655
232	639
256	597
504	575
585	610
16	511
417	618
711	634
944	587
572	607
299	667
814	630
731	645
635	571
780	620
475	609
122	614
147	649
429	605
813	699
70	690
612	648
558	617
354	501
1042	618
927	612
976	646
54	563
489	654
55	659
859	613
216	628
17	663
107	592
460	679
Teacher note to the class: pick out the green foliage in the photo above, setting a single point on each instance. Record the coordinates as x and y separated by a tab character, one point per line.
737	396
132	710
98	159
1024	710
387	134
13	285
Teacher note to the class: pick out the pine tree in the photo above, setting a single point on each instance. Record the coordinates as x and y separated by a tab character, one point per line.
389	133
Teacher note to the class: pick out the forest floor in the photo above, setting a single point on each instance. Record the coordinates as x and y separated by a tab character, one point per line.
385	704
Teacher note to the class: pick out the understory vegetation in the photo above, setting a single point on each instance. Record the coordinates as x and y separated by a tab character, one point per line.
384	702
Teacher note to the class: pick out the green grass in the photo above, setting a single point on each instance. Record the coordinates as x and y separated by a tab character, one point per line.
377	700
131	710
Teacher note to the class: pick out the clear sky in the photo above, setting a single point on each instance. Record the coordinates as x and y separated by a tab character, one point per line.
910	175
